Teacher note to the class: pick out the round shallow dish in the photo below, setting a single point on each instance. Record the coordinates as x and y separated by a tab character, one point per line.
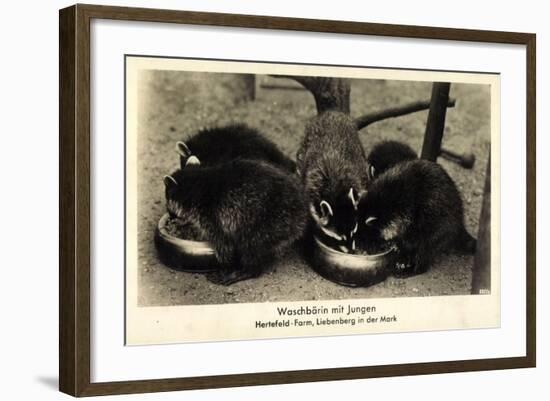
350	269
183	254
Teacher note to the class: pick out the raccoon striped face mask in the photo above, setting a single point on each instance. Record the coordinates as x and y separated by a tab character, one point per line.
339	222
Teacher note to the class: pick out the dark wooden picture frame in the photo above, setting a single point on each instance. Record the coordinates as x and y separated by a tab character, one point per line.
74	204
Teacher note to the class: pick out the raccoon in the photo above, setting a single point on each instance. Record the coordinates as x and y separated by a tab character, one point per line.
250	212
387	154
220	145
333	169
416	206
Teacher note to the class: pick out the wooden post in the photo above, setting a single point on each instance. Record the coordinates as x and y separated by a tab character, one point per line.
481	274
436	121
250	86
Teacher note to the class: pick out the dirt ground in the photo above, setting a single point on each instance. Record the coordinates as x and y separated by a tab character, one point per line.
174	105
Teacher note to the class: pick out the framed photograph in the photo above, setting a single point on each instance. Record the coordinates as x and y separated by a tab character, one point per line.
251	200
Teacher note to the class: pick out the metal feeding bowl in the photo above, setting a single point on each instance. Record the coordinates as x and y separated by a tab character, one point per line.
352	270
183	254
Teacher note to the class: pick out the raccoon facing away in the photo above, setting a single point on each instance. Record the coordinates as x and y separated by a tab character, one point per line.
249	211
333	169
237	141
416	206
387	154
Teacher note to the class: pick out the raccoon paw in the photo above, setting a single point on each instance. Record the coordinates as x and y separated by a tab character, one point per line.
221	277
403	269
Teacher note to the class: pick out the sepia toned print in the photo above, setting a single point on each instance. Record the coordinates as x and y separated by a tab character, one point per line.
259	190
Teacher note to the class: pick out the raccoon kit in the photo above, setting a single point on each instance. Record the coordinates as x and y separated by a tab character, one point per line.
416	207
387	154
249	211
333	169
237	141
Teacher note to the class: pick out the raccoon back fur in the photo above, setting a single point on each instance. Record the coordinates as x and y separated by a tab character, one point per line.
236	141
249	211
333	169
416	206
387	154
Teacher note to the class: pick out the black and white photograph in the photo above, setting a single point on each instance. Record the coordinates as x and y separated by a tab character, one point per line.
307	194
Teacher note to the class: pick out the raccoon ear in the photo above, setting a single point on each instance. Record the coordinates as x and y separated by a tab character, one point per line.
354	197
326	212
182	149
326	209
169	181
372	171
193	161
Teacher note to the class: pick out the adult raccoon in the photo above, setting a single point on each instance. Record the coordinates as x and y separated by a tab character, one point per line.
387	154
333	169
249	211
416	206
236	141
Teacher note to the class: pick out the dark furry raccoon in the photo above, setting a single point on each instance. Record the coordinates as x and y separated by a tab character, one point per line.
237	141
333	168
387	154
249	211
416	206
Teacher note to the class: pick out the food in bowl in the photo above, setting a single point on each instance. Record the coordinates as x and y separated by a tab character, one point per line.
351	269
183	231
373	248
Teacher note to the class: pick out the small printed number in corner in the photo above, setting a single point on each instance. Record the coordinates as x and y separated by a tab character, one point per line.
484	291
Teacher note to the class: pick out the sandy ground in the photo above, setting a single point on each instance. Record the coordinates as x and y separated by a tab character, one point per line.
174	105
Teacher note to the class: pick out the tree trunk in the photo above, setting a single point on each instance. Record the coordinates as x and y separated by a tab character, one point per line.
329	93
